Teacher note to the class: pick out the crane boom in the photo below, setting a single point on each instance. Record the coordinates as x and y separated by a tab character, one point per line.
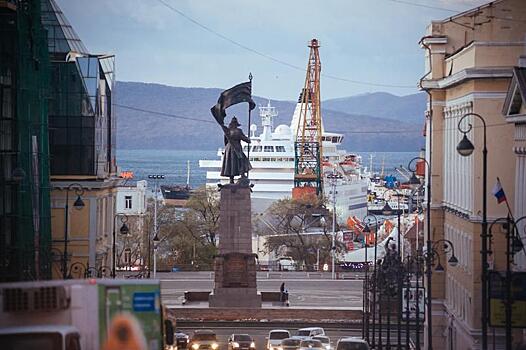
308	144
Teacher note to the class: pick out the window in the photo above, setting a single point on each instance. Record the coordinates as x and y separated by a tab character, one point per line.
268	149
280	148
256	149
128	202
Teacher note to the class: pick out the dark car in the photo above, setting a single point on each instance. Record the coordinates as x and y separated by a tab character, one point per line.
241	342
204	339
182	340
290	344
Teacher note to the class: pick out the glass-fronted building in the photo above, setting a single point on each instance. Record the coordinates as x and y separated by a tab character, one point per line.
24	156
82	126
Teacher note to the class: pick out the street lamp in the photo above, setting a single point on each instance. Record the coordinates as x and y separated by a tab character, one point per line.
155	244
124	230
465	148
155	237
513	246
78	204
367	220
429	243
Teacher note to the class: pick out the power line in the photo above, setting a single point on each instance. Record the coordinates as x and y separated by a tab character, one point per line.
271	58
169	115
391	131
410	3
423	5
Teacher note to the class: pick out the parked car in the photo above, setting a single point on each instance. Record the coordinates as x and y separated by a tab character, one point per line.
352	343
275	337
290	343
311	344
182	340
241	342
325	340
204	339
305	333
287	264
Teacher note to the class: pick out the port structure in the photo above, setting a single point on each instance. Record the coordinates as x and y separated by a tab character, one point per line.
308	150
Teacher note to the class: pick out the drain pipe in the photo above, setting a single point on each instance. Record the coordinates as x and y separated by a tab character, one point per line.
428	224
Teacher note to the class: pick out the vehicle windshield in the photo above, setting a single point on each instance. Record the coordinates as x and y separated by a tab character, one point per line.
323	339
242	337
310	344
303	333
290	342
279	335
31	341
352	346
206	336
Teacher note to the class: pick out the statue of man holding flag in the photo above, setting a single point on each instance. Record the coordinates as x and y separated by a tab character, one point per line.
235	162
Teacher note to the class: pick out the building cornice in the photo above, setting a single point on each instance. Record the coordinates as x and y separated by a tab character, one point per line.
468	74
472	96
435	40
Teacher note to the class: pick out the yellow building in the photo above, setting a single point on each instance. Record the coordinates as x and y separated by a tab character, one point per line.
82	151
469	59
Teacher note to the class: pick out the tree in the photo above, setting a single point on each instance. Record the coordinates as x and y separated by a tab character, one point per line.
286	223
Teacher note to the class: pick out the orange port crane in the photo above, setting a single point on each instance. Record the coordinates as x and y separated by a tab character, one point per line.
308	150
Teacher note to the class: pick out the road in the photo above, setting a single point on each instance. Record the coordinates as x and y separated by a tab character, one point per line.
309	291
259	334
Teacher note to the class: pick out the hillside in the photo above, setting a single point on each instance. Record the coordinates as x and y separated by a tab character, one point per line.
410	108
141	130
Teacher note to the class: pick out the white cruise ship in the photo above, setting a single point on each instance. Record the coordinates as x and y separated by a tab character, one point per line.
272	159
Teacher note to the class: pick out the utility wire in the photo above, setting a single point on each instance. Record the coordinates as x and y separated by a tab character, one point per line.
410	3
274	59
169	115
406	131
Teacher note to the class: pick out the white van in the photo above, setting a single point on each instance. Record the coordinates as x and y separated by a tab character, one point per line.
287	264
305	333
275	337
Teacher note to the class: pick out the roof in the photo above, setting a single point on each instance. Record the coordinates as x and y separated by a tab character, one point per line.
516	95
62	329
62	38
353	339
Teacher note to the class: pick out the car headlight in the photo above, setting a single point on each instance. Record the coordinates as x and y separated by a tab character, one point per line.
195	346
215	346
253	345
327	347
235	345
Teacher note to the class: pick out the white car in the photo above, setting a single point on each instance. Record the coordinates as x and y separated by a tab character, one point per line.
352	343
309	332
287	264
275	337
325	341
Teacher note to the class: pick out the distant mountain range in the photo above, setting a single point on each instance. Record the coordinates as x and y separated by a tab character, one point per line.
358	117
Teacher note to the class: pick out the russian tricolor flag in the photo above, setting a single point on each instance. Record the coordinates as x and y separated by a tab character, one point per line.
498	192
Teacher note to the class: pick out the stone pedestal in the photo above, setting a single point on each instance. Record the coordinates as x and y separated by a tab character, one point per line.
235	265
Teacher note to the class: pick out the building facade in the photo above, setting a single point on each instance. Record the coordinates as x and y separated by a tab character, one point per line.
24	155
82	150
469	60
132	248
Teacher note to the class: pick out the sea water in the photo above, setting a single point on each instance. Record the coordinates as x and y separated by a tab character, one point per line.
173	163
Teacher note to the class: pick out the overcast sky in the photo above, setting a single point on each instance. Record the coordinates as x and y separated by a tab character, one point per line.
373	41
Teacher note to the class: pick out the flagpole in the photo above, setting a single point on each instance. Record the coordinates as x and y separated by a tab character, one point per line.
249	116
506	200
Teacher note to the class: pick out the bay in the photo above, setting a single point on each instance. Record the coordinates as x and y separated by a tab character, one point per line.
173	163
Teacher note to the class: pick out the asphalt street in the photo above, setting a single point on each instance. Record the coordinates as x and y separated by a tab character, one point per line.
260	333
305	290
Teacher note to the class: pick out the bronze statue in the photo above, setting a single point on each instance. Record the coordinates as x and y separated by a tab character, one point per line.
235	162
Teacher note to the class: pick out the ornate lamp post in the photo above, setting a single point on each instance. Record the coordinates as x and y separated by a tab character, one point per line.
367	219
414	182
124	230
465	148
78	204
